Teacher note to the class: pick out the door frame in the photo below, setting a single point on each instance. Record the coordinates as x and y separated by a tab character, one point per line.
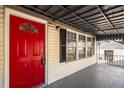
105	54
8	12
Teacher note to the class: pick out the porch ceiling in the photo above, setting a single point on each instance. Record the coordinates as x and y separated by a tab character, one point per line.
100	20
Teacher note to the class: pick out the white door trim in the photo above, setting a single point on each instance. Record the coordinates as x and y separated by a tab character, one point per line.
8	12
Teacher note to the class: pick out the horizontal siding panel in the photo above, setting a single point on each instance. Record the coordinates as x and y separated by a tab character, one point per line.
54	43
53	60
53	31
1	21
53	53
1	53
1	6
1	38
1	59
1	50
53	47
1	26
52	35
1	11
1	72
1	69
1	33
1	45
50	24
1	16
53	38
50	28
1	63
56	51
53	50
51	57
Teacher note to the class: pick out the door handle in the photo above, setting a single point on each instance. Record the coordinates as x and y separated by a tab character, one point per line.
43	60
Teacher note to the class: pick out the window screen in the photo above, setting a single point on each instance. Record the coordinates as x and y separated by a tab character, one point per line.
81	46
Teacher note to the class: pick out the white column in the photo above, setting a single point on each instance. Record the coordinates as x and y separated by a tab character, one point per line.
77	38
86	46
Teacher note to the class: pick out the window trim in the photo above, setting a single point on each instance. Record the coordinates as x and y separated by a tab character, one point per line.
77	36
92	46
83	46
71	47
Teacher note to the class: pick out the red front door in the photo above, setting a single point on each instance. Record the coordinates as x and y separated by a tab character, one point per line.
27	44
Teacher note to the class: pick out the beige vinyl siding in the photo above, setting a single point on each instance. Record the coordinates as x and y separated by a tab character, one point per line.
53	44
1	45
57	70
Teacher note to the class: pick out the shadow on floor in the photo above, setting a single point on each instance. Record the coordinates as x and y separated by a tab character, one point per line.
95	76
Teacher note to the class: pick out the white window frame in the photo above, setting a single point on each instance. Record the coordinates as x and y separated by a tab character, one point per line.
71	47
81	46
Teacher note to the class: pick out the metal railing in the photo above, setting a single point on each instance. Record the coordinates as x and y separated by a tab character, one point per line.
116	60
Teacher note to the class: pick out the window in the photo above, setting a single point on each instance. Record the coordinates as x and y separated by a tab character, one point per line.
93	45
81	46
67	46
71	46
28	28
90	46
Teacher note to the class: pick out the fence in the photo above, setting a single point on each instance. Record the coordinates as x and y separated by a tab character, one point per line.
116	60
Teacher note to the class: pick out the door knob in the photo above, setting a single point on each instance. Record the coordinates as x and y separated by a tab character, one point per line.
43	60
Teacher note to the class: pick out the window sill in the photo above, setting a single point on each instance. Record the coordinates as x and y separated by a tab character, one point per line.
77	59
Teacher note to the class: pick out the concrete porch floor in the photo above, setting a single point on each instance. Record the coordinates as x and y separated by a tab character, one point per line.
95	76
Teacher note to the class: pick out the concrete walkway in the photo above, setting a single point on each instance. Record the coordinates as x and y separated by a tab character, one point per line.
95	76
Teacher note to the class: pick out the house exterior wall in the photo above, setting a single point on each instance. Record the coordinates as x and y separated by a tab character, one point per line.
1	44
115	51
57	70
118	48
